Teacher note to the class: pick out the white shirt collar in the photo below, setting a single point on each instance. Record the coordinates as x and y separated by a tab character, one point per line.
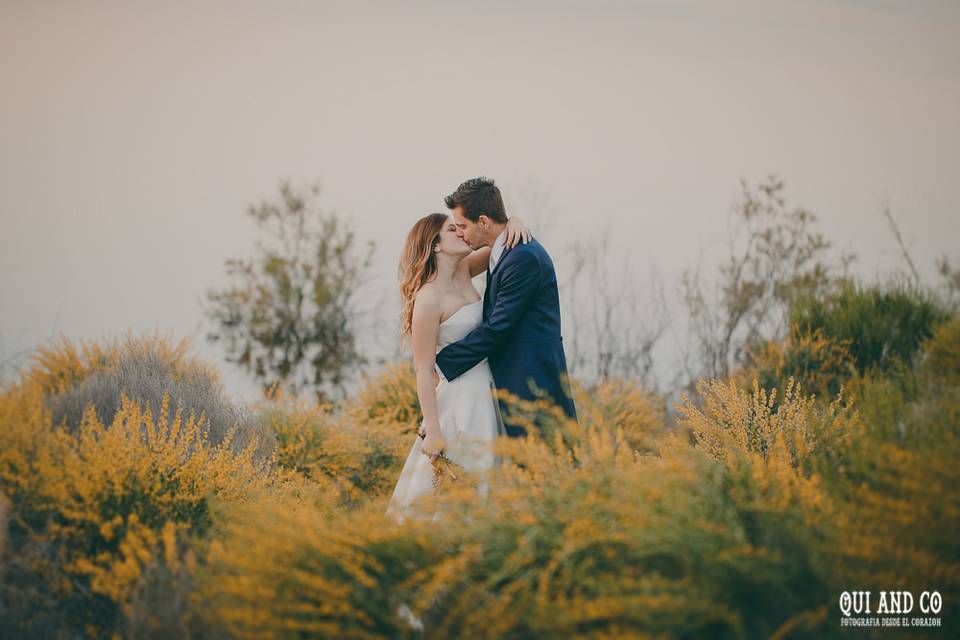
498	247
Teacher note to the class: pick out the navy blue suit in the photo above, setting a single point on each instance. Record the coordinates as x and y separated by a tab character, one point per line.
520	331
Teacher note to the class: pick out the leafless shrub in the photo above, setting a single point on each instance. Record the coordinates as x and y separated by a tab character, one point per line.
775	253
615	323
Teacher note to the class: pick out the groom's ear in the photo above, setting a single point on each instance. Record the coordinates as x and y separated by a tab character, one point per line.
483	221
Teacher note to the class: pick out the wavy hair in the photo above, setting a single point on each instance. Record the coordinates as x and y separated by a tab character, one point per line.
418	263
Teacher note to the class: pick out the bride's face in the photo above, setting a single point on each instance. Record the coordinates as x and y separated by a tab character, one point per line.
451	243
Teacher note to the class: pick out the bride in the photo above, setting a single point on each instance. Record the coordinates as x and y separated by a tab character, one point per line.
440	306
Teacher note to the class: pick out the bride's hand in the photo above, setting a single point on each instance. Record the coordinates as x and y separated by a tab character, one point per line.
516	231
433	445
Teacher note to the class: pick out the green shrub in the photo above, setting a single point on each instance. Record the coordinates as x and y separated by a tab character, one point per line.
878	325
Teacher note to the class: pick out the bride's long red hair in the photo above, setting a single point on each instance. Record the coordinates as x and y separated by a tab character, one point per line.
418	264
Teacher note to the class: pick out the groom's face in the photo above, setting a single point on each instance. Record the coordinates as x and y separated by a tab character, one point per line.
469	231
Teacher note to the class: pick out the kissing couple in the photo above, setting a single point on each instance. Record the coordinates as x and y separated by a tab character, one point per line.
467	347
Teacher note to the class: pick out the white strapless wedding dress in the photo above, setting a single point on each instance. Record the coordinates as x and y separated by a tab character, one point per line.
469	420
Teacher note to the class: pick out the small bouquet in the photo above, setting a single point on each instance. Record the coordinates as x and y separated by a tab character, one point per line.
443	467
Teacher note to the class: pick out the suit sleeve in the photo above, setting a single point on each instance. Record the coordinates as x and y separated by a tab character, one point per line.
518	287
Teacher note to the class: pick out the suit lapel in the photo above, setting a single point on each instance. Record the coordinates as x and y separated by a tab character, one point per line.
486	295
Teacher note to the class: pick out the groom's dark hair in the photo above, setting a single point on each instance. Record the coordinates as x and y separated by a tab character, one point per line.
478	196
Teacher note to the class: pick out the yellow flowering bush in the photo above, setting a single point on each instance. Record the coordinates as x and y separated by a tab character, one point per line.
772	448
589	537
820	365
389	396
746	519
359	458
89	508
617	545
286	570
545	559
625	405
735	426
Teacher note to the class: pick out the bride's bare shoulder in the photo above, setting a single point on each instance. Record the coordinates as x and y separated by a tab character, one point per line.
427	300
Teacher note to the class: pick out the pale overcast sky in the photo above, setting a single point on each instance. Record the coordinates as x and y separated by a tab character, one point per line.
134	134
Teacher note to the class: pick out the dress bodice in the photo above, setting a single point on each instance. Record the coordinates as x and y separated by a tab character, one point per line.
462	322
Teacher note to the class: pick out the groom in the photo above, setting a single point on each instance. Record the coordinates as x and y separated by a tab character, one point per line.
520	331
